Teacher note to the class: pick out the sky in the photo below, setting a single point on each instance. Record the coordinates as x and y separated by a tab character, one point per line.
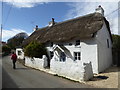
23	15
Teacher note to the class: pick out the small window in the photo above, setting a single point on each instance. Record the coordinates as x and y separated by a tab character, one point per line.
77	42
62	57
70	44
108	43
51	54
51	44
19	53
77	55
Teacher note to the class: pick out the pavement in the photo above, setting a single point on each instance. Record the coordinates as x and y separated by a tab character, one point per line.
25	77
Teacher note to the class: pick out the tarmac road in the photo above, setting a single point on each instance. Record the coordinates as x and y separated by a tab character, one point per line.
24	77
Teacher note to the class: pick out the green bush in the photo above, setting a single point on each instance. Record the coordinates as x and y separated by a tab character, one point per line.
35	49
5	50
116	41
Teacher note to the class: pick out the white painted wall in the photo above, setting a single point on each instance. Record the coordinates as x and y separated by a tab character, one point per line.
75	70
36	63
88	49
89	53
21	56
104	53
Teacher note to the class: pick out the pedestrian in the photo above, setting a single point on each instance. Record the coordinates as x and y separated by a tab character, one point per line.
14	59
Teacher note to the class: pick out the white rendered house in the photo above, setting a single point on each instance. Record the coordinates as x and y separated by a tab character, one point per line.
20	53
76	42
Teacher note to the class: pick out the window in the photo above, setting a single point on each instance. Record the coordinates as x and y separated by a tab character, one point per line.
51	44
108	43
19	53
62	57
77	56
70	44
51	54
77	42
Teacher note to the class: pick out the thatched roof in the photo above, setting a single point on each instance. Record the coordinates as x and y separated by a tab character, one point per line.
77	28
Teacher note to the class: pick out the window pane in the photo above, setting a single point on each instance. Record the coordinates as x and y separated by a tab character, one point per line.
75	58
19	53
51	54
75	54
78	58
78	53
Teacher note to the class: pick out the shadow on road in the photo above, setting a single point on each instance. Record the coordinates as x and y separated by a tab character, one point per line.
7	81
22	68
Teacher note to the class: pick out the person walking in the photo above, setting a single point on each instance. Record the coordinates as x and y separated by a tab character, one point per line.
14	59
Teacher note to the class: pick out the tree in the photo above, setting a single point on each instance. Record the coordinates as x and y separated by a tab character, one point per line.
116	49
35	49
116	41
17	40
5	50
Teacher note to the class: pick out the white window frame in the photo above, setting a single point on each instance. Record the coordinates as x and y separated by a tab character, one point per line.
77	56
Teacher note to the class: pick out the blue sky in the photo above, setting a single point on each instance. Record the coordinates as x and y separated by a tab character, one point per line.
27	18
23	16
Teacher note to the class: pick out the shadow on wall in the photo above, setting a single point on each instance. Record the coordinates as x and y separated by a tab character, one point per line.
90	41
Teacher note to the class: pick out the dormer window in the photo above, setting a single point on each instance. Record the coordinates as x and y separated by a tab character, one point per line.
77	42
51	44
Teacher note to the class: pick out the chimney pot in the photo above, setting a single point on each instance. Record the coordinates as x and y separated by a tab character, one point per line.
100	10
36	28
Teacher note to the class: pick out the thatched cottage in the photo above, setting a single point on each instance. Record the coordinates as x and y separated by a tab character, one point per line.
85	39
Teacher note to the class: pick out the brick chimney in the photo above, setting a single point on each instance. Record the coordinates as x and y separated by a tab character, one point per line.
99	9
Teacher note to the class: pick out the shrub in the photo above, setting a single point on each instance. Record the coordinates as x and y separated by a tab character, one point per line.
116	41
5	50
35	49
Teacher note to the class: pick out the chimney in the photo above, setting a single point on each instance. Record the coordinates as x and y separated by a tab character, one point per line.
52	22
99	9
36	28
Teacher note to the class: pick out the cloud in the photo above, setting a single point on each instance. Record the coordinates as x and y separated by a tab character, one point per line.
33	3
24	3
6	34
83	8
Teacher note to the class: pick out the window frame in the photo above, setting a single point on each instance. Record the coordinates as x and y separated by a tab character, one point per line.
77	56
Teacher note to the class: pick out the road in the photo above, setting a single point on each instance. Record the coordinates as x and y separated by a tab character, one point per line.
24	77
